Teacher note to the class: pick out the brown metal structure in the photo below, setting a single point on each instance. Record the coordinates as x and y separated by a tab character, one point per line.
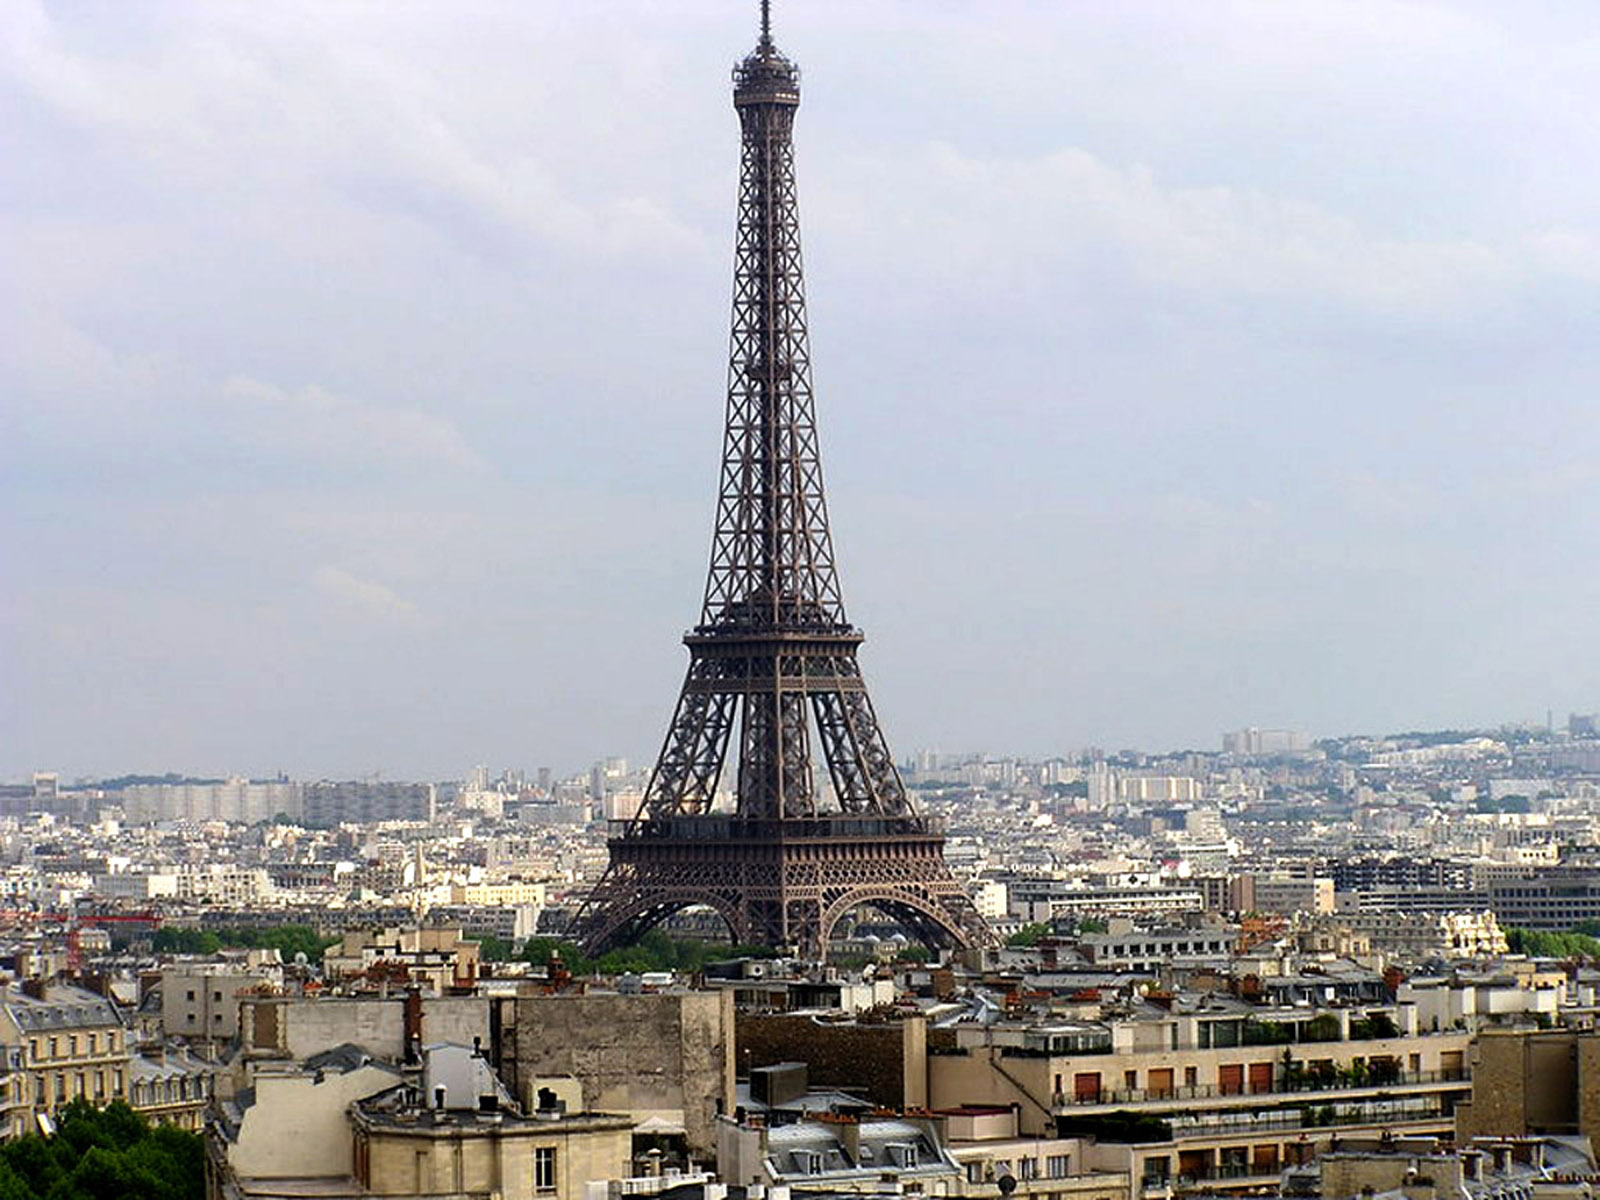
773	658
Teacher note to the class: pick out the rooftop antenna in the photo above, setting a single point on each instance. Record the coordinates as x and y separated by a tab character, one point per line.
766	22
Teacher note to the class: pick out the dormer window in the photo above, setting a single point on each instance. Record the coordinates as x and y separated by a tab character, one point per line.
902	1154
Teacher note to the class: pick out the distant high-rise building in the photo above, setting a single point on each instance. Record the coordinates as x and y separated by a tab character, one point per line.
367	801
1253	741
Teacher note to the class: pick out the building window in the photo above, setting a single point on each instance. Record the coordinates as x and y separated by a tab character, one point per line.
544	1169
974	1172
1057	1165
1027	1168
191	995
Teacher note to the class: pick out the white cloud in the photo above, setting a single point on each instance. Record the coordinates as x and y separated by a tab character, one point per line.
365	596
1037	224
313	423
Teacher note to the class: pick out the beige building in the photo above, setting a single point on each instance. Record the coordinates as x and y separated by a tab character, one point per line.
302	1107
507	892
1285	895
1353	934
72	1044
200	1000
439	958
16	1114
1223	1097
989	1150
404	1149
342	1124
172	1086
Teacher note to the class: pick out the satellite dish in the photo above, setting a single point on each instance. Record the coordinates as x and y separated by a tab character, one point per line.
1007	1184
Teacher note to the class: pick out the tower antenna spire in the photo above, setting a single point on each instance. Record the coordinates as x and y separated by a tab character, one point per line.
766	22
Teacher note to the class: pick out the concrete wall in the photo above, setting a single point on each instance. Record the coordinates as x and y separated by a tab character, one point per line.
1348	1175
296	1028
297	1125
886	1063
670	1055
1522	1082
984	1077
1589	1088
214	1011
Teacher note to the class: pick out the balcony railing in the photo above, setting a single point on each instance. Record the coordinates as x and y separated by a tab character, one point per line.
1302	1084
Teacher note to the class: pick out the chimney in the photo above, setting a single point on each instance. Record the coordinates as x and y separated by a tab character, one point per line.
413	1024
850	1138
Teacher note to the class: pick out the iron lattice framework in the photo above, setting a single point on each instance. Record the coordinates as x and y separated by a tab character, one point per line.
773	653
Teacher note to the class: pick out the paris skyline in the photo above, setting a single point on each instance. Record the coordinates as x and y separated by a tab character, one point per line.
1175	373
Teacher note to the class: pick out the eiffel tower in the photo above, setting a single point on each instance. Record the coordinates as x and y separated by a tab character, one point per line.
772	663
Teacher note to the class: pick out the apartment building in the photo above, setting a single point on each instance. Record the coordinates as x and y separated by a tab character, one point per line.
359	1126
1038	899
16	1113
67	1042
200	1000
994	1157
368	801
436	956
1212	1093
1123	947
1286	895
222	883
172	1085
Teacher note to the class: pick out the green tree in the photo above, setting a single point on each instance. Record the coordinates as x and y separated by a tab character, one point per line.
1539	943
104	1154
1322	1028
1029	935
493	949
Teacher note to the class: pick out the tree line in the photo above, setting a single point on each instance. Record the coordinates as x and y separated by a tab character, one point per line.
104	1154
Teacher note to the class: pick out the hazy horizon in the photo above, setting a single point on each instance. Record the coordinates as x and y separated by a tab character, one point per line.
1179	369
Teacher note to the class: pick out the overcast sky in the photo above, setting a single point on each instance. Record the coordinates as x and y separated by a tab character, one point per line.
1181	366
